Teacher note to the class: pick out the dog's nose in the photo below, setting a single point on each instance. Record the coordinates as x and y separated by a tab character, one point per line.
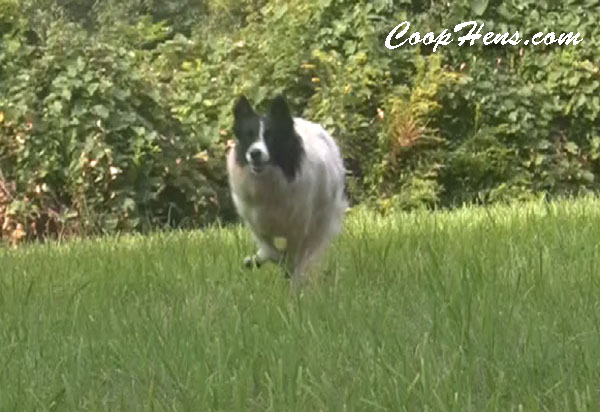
255	155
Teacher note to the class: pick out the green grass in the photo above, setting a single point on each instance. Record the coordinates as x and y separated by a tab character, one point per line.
475	310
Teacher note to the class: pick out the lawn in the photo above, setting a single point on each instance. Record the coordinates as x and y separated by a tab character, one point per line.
473	310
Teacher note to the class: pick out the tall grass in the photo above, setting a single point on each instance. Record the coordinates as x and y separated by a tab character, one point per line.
474	310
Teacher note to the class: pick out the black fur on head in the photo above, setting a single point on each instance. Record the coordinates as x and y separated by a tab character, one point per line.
282	140
283	143
246	126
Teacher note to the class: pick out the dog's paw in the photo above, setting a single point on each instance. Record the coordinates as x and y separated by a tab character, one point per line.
251	262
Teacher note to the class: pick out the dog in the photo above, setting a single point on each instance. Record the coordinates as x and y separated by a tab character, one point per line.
287	180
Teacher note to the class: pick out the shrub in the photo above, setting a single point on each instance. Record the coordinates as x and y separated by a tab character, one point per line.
90	144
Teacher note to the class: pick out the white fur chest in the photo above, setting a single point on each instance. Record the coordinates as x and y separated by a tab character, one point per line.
266	202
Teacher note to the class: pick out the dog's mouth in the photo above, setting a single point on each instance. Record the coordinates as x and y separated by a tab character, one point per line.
257	168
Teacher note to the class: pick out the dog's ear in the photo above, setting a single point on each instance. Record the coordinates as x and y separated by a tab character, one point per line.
242	108
279	109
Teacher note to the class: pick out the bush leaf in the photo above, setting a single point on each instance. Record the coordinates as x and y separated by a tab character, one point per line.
479	6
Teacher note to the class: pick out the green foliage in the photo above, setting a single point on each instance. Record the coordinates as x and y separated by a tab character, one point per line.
89	142
9	14
469	124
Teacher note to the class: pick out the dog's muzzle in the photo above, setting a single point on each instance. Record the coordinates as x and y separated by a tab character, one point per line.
257	160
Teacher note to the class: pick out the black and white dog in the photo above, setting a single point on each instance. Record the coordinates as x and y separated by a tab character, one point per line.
286	177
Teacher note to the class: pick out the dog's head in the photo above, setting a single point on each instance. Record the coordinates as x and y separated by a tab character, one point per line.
266	141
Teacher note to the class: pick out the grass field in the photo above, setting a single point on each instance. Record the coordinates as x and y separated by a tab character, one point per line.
474	310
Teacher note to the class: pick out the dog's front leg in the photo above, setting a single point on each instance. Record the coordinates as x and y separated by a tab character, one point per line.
296	260
266	252
303	253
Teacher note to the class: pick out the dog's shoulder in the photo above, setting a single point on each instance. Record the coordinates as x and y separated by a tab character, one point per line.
314	133
321	149
306	128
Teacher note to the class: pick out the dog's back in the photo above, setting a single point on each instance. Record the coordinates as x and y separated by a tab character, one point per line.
324	172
